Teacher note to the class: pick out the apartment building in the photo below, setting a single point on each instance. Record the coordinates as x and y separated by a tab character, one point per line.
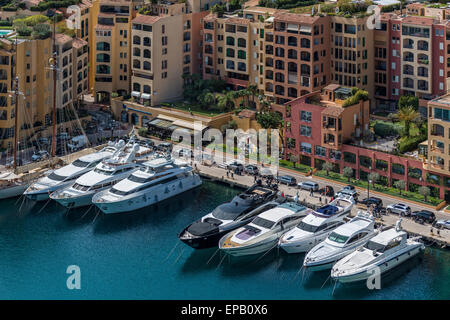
352	53
35	86
318	124
112	48
411	58
164	47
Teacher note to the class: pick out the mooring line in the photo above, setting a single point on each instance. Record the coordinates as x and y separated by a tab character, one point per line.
215	252
44	205
171	251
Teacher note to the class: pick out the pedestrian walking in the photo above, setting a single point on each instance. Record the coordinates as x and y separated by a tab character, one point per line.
227	174
232	175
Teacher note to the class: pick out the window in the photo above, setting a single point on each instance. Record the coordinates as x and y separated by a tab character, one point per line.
305	116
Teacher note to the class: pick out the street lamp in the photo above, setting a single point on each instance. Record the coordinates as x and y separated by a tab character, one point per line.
368	180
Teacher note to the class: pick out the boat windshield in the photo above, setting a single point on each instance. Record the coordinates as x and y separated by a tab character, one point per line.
336	237
104	172
264	223
81	164
307	227
56	177
227	211
118	192
137	179
372	245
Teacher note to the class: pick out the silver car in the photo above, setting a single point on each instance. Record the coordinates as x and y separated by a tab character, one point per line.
442	224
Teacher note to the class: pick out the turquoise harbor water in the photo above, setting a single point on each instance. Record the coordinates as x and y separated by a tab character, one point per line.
126	257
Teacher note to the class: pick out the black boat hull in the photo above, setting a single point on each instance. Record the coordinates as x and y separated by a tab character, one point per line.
204	242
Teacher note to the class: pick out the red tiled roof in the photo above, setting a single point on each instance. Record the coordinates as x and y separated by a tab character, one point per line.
333	111
238	21
62	38
247	114
295	17
78	43
419	20
146	19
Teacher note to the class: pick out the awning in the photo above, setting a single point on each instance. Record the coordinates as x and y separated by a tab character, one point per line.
189	125
136	94
305	29
145	96
292	27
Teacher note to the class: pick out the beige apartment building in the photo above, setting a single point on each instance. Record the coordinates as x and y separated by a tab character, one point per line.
439	134
113	48
352	53
35	85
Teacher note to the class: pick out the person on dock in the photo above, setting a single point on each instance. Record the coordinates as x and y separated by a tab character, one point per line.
228	174
232	175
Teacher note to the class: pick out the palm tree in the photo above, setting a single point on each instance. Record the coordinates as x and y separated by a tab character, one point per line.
208	99
408	115
252	90
226	101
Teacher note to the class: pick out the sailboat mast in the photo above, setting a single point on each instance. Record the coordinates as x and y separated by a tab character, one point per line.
53	66
16	113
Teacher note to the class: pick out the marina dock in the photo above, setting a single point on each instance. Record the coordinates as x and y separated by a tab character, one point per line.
440	238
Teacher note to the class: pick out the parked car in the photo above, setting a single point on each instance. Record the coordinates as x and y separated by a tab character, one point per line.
349	187
231	164
399	208
251	169
40	155
236	164
165	146
327	190
308	185
185	153
288	180
348	193
423	216
442	224
372	200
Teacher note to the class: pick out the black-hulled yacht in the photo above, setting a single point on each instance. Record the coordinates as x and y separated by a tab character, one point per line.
206	232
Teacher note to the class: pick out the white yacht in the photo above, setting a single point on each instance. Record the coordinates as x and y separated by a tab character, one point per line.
316	226
104	176
384	251
62	177
264	231
341	242
157	180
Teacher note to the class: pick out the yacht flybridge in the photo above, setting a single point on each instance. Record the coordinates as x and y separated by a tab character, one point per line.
385	251
206	232
159	179
341	242
62	177
107	173
317	226
263	233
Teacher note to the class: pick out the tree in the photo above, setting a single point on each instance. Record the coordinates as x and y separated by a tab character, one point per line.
294	159
408	115
226	101
348	173
400	185
374	177
252	90
425	191
269	120
327	166
207	100
408	101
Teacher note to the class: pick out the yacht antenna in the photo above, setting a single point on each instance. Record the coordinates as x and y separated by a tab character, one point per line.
53	67
16	108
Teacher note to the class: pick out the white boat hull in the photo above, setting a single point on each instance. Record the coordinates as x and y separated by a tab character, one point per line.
76	202
364	273
147	198
13	191
44	194
303	245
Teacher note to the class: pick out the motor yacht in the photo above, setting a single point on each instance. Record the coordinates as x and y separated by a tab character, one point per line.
159	179
106	174
264	231
341	242
382	253
206	232
62	177
316	226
